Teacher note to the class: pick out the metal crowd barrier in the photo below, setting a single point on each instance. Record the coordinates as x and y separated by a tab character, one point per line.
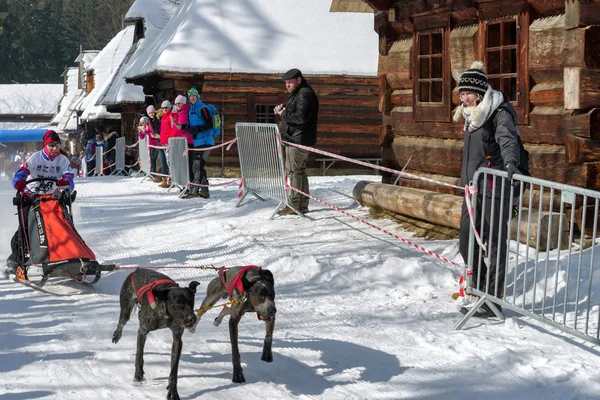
552	269
261	162
120	157
99	161
178	162
144	153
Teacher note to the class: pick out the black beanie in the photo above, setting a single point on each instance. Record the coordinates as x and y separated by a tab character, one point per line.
474	80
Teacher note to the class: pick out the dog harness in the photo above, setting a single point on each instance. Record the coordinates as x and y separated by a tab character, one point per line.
236	282
148	289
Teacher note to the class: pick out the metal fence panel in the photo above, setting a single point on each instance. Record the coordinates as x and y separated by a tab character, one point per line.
552	269
119	157
144	156
178	162
99	160
261	161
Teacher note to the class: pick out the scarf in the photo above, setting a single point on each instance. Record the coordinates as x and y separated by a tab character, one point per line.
475	117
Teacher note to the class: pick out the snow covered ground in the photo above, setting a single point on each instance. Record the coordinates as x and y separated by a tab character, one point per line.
360	315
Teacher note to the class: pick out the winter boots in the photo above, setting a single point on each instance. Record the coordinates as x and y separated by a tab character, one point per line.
165	183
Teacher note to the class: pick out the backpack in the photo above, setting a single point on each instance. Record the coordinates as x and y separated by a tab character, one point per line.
216	120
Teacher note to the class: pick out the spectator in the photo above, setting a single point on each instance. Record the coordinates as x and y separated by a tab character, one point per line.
490	140
110	154
166	131
155	124
180	121
145	131
46	163
199	122
298	125
75	164
90	155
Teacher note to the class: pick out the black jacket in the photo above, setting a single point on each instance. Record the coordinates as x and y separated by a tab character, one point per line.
299	120
494	145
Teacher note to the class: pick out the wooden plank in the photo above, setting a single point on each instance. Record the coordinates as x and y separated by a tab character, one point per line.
444	157
579	13
579	150
545	7
581	88
585	125
462	49
583	47
547	43
396	65
497	9
547	95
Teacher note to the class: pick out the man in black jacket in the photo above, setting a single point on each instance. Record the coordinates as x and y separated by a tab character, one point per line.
298	125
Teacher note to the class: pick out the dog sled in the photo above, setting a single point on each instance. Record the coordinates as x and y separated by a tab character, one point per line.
47	241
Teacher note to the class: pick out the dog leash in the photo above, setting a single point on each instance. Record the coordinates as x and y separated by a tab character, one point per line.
234	301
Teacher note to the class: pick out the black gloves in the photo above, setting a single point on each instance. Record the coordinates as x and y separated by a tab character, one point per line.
512	169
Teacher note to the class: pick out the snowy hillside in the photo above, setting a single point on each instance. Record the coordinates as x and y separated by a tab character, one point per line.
360	315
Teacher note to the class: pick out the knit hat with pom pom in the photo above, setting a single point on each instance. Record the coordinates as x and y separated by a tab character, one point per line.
474	80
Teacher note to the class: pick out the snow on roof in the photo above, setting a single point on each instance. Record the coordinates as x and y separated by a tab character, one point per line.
87	56
155	14
30	98
105	65
261	36
71	78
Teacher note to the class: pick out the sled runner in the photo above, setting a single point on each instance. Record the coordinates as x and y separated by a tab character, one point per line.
47	239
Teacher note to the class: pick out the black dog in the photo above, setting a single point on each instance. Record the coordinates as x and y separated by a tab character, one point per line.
253	289
163	304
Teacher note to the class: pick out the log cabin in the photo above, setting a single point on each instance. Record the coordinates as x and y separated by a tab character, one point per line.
237	63
544	54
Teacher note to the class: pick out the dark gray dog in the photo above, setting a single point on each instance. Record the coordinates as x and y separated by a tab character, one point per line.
162	304
254	288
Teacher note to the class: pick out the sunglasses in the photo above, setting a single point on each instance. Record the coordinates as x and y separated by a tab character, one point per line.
53	145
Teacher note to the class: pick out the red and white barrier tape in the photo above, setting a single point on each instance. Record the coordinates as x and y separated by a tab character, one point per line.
369	165
217	146
416	246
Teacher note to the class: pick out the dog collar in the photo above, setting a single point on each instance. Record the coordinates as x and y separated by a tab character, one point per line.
236	282
148	289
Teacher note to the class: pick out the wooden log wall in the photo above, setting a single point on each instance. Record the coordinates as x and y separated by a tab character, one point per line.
563	130
349	119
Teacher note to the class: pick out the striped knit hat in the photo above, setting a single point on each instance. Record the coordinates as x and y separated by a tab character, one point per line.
474	80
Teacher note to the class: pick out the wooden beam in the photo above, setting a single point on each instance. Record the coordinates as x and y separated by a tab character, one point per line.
547	44
438	208
385	95
585	125
547	95
581	13
582	47
581	88
497	9
580	150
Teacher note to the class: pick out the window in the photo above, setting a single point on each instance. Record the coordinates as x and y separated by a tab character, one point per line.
263	113
89	82
260	108
431	75
429	68
505	57
502	58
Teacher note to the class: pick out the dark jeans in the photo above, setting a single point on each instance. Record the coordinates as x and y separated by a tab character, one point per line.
496	244
90	166
17	243
153	157
200	177
164	167
295	165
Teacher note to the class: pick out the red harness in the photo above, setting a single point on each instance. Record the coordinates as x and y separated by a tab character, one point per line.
148	289
236	282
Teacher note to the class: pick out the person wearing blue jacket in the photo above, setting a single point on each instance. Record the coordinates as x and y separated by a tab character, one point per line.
200	125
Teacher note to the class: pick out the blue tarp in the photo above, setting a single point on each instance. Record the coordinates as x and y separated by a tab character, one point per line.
25	135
